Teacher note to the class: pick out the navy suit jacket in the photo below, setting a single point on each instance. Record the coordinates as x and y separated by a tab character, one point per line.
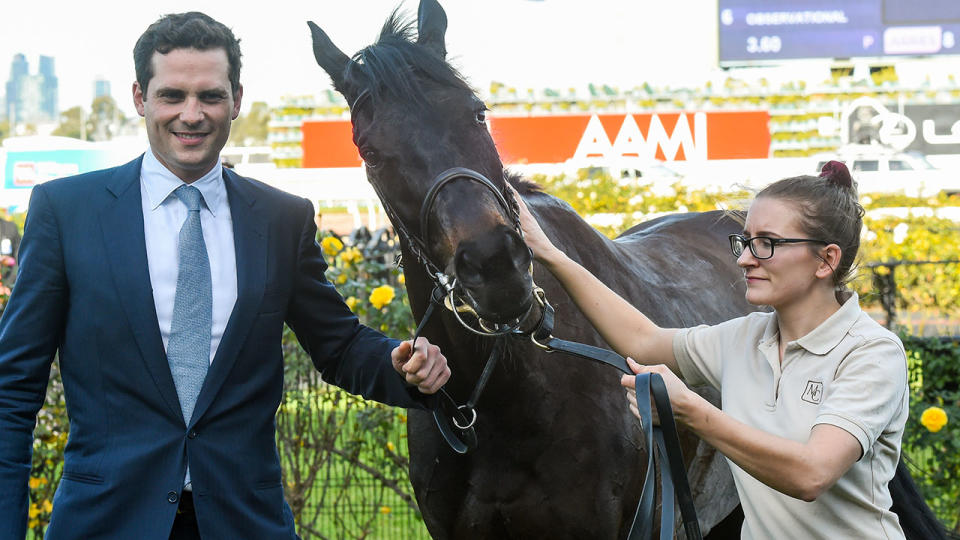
84	291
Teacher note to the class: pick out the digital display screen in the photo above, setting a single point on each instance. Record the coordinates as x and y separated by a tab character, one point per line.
763	30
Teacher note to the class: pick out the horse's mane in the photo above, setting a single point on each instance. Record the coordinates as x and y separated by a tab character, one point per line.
393	63
521	184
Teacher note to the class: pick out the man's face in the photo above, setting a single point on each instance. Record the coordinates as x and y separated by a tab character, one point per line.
188	107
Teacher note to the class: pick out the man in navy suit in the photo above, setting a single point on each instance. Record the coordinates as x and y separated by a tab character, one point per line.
133	275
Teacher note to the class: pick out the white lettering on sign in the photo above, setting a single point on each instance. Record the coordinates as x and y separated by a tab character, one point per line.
630	142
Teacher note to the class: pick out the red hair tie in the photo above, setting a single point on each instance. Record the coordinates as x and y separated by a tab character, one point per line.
837	173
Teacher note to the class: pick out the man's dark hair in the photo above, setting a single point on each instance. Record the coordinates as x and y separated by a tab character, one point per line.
193	30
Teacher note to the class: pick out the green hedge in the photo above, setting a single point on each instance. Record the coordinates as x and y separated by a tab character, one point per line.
934	456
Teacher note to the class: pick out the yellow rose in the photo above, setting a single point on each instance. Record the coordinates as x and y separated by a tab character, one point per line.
34	483
351	255
341	279
47	506
382	296
934	418
33	511
352	302
331	245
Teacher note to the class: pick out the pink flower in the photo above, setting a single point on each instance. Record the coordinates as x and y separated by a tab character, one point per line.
7	260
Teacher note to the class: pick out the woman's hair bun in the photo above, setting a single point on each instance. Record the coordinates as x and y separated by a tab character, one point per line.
837	173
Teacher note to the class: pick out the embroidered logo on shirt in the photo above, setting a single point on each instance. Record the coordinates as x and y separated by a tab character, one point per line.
813	393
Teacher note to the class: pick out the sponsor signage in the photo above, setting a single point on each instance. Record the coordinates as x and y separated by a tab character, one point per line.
928	129
677	136
25	169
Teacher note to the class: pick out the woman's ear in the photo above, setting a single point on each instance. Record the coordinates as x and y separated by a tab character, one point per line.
830	259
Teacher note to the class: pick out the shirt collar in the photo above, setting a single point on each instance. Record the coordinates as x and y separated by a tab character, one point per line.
830	332
160	183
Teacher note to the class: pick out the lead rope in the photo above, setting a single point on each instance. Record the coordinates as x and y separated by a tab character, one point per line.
461	435
666	437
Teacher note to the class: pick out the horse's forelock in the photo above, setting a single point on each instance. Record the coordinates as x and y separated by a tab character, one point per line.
389	65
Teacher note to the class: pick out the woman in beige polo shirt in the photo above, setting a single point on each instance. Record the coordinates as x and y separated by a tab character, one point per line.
814	393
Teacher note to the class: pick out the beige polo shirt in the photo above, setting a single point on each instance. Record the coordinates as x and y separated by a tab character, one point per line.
849	372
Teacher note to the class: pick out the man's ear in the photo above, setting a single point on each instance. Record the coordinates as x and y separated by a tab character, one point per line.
138	98
237	98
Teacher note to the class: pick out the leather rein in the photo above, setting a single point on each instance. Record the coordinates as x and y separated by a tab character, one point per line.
456	422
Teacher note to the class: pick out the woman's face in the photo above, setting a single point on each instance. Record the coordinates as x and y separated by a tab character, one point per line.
789	275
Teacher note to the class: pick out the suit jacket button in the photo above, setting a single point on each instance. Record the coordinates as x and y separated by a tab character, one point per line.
192	434
172	497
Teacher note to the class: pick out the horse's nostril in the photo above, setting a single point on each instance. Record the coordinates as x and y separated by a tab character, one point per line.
467	265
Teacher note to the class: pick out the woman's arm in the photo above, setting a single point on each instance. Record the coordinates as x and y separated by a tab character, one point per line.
625	328
801	470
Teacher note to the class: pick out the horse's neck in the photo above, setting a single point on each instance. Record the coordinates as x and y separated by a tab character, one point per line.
572	234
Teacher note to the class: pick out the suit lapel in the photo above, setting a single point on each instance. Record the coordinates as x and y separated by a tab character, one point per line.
121	223
250	241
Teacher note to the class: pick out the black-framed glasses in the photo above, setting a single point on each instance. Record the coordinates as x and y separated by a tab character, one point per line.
762	246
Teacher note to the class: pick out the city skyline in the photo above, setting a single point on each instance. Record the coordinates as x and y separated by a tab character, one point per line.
31	96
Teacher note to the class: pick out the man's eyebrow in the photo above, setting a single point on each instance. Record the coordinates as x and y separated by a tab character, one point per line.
214	93
168	92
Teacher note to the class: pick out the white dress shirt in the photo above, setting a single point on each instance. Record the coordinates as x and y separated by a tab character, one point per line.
163	215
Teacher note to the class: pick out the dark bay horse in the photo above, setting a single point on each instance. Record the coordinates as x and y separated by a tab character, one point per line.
558	454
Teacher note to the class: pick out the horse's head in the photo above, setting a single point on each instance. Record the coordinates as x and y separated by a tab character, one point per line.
422	134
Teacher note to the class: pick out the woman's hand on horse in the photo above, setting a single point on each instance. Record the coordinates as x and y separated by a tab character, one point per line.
677	391
424	366
543	249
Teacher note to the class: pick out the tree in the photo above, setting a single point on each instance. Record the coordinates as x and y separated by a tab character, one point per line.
251	129
70	124
105	119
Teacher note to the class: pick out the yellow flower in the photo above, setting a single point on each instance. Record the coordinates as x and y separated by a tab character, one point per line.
34	511
402	279
341	279
37	481
351	255
934	418
384	327
352	302
331	245
384	509
391	447
382	296
47	506
34	523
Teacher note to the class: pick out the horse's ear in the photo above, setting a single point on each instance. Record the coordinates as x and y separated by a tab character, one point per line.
431	26
329	57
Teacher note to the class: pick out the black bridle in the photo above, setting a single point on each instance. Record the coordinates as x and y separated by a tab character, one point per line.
456	422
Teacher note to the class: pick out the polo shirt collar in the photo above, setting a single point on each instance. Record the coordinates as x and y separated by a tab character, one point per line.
830	332
160	183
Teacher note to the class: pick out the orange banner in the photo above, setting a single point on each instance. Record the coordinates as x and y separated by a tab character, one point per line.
556	139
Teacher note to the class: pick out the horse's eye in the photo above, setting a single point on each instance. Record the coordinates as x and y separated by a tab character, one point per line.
481	117
370	157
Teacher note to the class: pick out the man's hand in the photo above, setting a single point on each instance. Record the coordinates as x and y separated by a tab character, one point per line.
426	368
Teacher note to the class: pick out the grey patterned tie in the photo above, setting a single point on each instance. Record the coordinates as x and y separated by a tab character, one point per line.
188	350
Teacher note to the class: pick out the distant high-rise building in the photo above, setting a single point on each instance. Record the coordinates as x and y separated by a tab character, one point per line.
19	69
101	87
49	88
32	98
